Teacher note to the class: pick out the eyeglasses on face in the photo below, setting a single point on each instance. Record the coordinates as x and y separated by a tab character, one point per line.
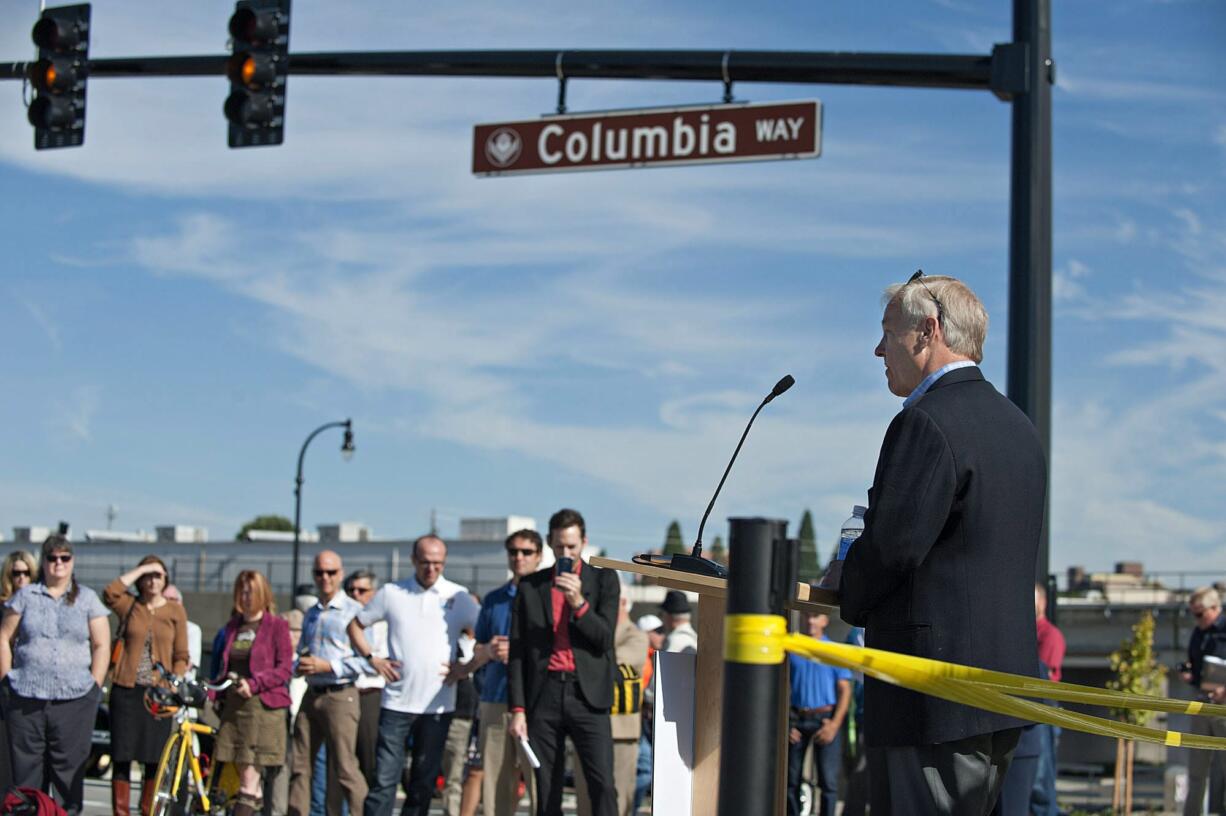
917	278
21	573
526	553
62	558
361	590
320	573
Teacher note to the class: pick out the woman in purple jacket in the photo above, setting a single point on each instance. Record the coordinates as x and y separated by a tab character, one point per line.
257	656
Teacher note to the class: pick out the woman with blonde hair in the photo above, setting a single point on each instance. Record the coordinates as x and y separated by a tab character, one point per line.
258	657
152	631
20	570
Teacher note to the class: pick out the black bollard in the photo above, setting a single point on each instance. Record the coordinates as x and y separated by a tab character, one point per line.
760	583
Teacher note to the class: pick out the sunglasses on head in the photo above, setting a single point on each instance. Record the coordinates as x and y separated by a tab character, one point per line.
62	558
320	573
917	278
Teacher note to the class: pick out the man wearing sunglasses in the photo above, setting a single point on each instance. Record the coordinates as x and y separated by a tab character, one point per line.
330	710
945	567
1208	639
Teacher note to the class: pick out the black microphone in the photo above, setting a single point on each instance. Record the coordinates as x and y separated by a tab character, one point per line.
694	562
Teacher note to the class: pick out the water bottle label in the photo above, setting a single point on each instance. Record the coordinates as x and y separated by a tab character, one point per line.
846	539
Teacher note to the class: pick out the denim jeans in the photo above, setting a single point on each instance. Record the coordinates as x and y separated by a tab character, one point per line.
1043	796
642	774
428	733
829	760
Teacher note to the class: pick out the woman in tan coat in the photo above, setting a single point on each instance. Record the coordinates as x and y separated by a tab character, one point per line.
153	631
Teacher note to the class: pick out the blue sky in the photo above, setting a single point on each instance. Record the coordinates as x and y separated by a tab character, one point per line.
178	316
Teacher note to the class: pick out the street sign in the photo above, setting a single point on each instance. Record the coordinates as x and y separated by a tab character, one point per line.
650	138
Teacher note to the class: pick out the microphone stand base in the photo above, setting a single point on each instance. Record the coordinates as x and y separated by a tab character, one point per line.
698	565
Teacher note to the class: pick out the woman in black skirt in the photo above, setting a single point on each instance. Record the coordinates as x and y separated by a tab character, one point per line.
152	630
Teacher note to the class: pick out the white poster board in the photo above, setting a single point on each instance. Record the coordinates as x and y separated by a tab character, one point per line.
673	738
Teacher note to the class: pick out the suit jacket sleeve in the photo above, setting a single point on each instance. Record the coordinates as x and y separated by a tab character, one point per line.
599	623
516	665
913	492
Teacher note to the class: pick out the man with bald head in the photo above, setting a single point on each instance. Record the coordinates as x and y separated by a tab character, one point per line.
330	709
425	615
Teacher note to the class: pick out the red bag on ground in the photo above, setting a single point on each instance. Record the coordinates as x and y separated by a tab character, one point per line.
30	802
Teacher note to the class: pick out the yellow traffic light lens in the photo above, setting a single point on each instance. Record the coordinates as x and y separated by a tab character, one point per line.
50	76
248	70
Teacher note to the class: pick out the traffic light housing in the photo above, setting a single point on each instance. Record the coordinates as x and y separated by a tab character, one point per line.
258	68
57	111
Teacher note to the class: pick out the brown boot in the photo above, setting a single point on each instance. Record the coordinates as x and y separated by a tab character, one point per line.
146	795
121	796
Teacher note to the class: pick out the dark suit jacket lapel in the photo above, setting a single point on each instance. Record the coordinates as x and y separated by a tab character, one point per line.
588	584
547	600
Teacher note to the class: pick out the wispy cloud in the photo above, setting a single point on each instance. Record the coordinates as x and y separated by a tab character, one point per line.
74	413
49	327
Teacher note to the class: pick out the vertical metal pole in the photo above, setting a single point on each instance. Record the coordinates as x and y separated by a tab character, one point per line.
748	764
1029	378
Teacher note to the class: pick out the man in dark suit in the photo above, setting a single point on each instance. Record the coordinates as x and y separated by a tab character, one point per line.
946	564
561	669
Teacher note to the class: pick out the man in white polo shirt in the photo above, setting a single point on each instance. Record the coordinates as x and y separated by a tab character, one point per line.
425	615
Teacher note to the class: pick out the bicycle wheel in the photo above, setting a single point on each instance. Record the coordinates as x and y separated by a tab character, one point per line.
163	784
166	800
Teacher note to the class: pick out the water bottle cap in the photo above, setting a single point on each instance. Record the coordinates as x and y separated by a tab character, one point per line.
859	510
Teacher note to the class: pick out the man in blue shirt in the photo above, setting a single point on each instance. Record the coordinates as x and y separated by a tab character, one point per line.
819	700
330	710
499	753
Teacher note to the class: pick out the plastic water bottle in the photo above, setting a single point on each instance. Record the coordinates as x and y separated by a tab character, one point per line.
852	528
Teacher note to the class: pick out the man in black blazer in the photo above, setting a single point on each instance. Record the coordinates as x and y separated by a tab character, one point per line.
561	669
945	567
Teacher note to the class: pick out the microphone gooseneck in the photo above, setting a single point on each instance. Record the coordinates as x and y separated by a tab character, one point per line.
780	387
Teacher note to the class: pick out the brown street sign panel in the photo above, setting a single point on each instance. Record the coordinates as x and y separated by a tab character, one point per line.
650	138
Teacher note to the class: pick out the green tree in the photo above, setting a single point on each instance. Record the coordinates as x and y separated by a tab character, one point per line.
1137	671
719	553
810	568
673	544
273	522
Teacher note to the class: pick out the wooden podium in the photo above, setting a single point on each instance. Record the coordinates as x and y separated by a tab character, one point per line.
708	694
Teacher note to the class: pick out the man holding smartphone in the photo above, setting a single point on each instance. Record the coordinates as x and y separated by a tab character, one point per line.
561	667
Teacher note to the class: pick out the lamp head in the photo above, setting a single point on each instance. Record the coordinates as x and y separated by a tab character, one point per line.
347	448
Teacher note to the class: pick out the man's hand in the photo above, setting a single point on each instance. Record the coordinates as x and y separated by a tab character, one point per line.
568	582
1217	694
500	648
243	688
453	673
309	664
827	733
794	735
390	669
518	727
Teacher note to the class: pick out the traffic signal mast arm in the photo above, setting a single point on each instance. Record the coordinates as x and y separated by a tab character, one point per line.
1003	71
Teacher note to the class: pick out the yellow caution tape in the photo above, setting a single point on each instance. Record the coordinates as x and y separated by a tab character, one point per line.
1001	692
756	639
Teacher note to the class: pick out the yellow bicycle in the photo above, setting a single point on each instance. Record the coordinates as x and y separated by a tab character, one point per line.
182	786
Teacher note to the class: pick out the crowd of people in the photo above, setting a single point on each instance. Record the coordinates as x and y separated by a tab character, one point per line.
358	690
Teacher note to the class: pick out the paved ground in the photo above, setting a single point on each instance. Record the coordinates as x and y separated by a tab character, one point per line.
1089	792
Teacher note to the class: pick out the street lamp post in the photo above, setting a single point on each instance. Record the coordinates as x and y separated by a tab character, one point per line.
346	452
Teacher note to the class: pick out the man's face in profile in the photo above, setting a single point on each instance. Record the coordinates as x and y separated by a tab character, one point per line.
899	347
